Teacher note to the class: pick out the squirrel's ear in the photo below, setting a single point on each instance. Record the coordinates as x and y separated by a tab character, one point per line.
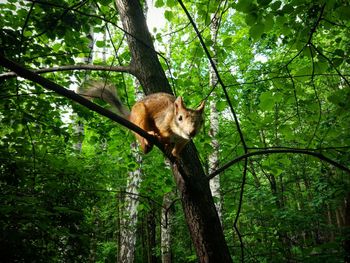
179	102
201	106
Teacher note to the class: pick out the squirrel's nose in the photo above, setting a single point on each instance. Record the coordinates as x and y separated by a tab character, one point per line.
192	133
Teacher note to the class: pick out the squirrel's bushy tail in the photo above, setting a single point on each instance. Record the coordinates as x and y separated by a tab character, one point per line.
106	92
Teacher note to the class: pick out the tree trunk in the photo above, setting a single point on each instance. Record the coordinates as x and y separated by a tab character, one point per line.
151	236
79	127
347	229
129	218
197	201
282	234
214	122
166	227
93	236
167	212
145	64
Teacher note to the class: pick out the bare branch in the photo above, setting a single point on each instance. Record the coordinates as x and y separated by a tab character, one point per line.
240	208
272	151
126	69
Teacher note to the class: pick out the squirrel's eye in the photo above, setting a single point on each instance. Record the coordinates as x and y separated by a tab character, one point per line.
180	118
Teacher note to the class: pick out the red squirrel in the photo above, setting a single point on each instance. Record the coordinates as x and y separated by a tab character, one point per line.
160	114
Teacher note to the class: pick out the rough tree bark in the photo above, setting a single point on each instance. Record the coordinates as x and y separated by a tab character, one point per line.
197	201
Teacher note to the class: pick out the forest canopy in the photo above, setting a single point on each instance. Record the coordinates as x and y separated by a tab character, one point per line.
274	147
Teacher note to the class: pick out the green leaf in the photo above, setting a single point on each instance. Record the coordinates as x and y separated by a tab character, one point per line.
344	12
306	50
336	98
256	31
304	71
159	3
171	3
100	43
27	33
268	22
287	9
284	160
320	67
246	6
339	52
168	15
276	5
221	105
266	101
105	2
227	41
209	42
337	61
251	18
263	3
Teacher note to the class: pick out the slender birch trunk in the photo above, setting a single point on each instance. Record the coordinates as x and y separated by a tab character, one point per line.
214	123
79	127
129	218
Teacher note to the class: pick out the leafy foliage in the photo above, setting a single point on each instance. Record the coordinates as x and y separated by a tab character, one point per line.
284	65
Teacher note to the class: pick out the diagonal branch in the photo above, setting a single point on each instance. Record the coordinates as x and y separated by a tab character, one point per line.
48	84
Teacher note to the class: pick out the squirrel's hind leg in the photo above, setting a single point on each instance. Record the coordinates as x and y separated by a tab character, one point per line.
139	117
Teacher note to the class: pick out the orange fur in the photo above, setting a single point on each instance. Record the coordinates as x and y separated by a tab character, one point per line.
160	114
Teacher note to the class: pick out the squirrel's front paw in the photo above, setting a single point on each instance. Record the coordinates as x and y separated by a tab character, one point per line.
146	146
154	134
175	153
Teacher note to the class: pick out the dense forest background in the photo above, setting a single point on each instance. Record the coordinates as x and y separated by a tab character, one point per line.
73	186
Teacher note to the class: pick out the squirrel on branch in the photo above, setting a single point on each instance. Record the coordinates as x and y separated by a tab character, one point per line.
160	114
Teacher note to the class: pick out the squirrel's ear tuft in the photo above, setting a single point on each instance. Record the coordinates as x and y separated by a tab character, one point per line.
179	102
201	106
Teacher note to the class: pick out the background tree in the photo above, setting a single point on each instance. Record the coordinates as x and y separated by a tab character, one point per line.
283	117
